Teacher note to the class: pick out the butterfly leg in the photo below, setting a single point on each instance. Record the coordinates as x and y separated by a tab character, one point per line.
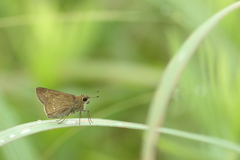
89	118
63	119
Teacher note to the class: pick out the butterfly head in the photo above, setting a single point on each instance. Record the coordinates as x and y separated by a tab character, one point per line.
85	99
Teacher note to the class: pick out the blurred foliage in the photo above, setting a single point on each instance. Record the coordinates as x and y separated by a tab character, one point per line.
121	49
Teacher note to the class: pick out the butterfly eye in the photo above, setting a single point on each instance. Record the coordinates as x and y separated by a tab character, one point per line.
85	99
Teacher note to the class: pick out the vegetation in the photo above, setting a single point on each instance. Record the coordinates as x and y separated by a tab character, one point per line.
121	49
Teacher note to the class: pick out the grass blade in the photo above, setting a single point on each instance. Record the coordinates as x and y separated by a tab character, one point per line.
170	78
26	129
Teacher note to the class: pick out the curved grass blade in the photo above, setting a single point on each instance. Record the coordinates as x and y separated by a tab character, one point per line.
170	78
26	129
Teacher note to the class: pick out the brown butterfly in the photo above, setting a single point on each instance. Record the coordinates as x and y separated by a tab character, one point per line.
60	105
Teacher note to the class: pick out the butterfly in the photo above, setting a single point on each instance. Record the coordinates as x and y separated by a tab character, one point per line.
60	105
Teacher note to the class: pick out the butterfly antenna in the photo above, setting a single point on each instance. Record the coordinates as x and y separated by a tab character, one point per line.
95	93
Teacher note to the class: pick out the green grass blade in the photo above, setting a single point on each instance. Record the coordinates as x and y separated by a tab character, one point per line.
26	129
170	78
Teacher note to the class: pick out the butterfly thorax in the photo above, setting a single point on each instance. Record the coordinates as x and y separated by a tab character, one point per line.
80	103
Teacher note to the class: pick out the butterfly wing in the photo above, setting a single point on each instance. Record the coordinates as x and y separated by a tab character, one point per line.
56	104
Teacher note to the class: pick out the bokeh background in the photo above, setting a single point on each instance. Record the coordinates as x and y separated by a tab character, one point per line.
120	48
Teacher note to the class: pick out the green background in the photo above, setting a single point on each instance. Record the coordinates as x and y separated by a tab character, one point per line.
120	48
